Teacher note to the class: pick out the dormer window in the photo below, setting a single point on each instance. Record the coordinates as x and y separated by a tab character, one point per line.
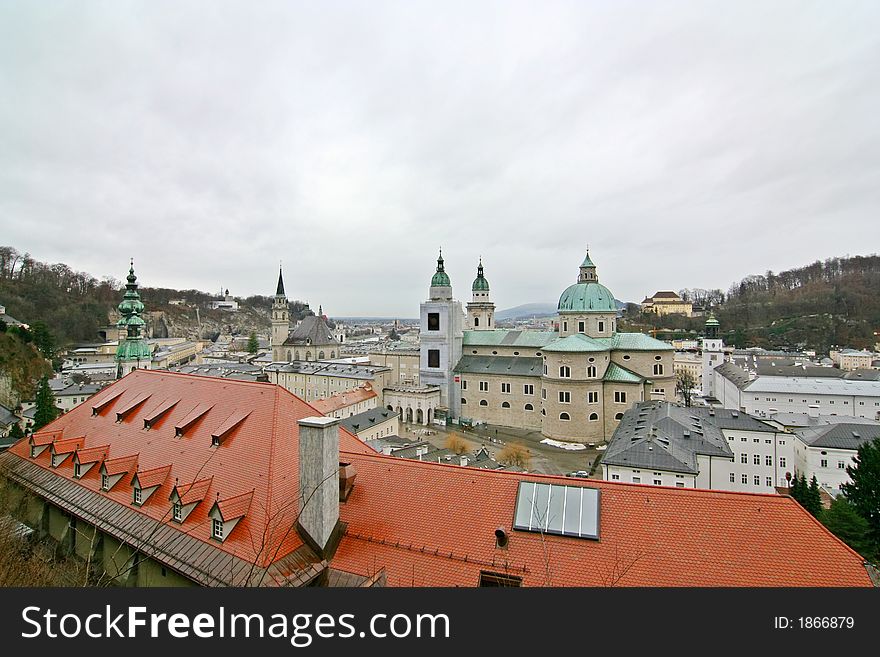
77	471
138	496
177	512
217	529
105	482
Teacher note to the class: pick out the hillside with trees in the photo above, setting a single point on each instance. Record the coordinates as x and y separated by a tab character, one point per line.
817	306
73	306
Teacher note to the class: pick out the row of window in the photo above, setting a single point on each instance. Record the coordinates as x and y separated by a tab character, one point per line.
756	460
817	401
593	417
756	480
582	326
841	465
564	395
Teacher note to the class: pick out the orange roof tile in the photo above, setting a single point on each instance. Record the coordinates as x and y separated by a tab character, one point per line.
120	465
438	529
105	400
261	459
132	405
92	455
156	414
343	399
229	424
234	507
154	477
67	446
45	437
194	492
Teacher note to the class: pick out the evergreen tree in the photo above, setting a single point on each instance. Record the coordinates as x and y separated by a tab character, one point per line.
796	490
844	521
253	345
46	409
15	432
864	490
813	498
43	340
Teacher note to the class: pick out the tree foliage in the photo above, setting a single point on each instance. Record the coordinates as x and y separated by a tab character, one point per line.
45	404
863	490
456	443
515	454
844	521
253	345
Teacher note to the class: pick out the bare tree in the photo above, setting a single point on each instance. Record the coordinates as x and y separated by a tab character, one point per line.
684	385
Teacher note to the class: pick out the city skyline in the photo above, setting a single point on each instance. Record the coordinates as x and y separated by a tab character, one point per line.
692	147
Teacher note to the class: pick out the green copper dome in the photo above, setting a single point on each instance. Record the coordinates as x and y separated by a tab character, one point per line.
712	321
133	347
440	279
480	282
589	297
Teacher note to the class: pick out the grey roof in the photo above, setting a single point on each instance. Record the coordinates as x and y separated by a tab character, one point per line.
790	369
843	435
7	417
345	370
367	419
78	389
312	331
826	386
660	436
735	374
805	420
863	375
508	365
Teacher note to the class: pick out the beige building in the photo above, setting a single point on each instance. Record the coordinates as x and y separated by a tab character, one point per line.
667	303
402	361
690	362
850	359
309	340
573	384
348	403
311	381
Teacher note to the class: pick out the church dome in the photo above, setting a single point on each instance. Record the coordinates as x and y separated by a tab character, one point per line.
440	278
480	282
589	297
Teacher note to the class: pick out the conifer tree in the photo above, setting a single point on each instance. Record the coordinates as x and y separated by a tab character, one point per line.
46	409
253	345
813	500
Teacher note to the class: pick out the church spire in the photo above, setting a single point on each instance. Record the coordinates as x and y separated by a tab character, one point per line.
132	351
279	292
588	270
440	278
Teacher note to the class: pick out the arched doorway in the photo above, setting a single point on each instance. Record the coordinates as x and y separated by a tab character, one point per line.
390	407
430	415
409	415
419	416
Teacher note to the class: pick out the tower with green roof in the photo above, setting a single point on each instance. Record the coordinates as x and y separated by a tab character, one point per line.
133	351
440	338
481	310
713	353
587	307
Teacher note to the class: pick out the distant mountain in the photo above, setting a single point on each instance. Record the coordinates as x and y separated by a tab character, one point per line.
531	310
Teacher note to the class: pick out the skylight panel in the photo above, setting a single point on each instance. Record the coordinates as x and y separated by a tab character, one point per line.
555	509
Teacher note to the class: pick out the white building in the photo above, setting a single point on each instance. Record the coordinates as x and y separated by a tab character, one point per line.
825	451
660	444
765	396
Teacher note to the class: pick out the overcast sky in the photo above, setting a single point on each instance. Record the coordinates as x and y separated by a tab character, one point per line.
689	144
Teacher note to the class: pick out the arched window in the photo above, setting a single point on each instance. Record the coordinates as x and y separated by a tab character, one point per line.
594	417
564	416
483	402
463	400
288	355
332	354
658	369
545	368
618	416
591	372
295	355
320	355
505	405
308	355
529	407
543	412
390	408
476	321
565	372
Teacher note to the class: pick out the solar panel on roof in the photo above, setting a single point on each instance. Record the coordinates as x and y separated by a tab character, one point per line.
554	509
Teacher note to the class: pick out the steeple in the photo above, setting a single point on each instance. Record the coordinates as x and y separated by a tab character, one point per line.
279	291
588	270
712	326
440	278
480	282
132	352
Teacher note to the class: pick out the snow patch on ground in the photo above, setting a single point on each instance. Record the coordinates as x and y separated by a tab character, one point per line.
575	447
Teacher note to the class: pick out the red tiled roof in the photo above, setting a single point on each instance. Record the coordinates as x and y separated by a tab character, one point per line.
67	446
120	465
93	454
221	432
261	459
106	400
132	405
667	294
154	477
343	399
45	437
194	492
234	507
438	529
156	414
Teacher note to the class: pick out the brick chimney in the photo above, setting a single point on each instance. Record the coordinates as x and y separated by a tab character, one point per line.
319	483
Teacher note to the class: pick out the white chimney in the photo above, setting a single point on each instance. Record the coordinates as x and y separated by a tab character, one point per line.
319	479
462	460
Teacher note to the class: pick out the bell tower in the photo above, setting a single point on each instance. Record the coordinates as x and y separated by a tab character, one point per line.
481	310
280	319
